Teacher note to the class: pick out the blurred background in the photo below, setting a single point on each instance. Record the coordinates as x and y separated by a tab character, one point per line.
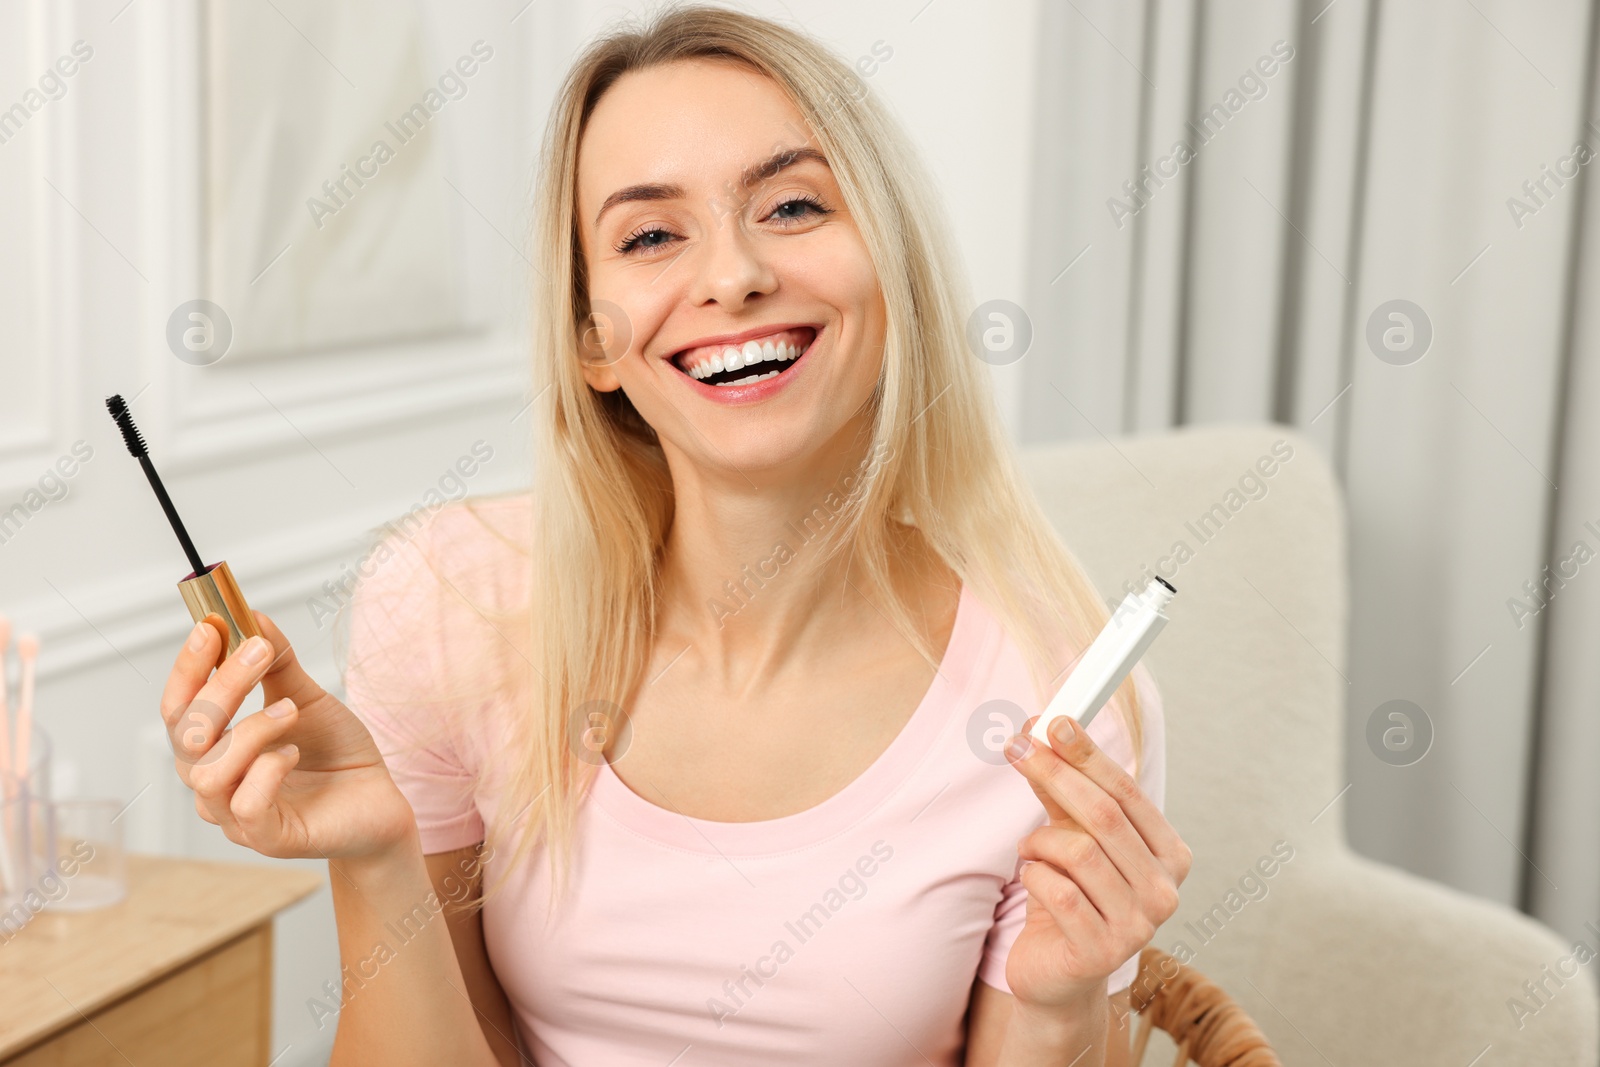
1374	221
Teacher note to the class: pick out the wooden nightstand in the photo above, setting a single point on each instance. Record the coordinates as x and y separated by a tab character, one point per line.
179	974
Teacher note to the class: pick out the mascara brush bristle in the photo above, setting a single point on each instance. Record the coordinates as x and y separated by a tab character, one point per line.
130	433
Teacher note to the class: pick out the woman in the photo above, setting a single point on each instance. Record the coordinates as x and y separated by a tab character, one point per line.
777	523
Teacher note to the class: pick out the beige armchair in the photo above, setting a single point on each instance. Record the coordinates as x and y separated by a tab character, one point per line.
1340	960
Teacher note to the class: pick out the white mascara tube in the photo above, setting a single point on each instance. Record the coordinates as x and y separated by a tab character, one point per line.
1109	659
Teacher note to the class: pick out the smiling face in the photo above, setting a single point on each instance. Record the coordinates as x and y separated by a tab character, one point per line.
752	316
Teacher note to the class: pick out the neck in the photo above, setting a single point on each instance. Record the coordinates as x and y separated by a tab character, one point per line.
744	576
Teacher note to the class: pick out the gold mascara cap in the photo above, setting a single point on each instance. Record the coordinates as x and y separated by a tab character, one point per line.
214	597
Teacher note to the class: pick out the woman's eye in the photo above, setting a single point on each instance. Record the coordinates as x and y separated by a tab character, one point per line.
645	239
798	208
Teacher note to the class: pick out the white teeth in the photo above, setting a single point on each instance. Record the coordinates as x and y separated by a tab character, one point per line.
735	357
749	380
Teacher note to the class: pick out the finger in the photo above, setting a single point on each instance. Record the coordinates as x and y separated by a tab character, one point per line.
1081	858
190	670
1016	752
255	802
1087	808
204	719
1079	749
217	774
1073	744
1077	918
286	678
1071	798
215	812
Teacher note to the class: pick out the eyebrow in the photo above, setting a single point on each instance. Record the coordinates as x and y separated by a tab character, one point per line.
652	191
779	160
751	175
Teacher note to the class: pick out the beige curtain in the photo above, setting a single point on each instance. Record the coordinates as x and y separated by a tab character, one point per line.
1374	221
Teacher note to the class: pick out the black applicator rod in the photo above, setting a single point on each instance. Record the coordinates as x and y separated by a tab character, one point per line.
137	448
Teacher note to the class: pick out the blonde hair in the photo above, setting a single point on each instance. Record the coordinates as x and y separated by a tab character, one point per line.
603	501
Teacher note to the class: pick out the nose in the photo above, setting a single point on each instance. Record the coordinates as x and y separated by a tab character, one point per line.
731	269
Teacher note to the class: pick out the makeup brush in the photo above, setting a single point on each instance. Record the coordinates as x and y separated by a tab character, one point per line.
210	593
8	875
28	653
141	452
5	710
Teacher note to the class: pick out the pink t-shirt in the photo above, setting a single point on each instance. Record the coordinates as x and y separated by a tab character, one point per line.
847	933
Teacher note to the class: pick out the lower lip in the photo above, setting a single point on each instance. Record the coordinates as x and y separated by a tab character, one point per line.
748	394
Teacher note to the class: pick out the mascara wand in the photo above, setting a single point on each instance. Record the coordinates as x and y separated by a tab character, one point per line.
141	452
210	593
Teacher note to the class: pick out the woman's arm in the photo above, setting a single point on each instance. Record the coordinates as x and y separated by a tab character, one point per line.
458	876
413	1004
996	1036
1102	875
304	778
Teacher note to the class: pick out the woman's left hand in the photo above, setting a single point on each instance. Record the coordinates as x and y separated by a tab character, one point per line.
1106	872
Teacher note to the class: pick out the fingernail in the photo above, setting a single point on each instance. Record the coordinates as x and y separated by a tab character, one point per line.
290	750
1062	732
281	709
1019	747
197	638
254	652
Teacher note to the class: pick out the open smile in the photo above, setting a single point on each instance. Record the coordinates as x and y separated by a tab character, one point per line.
748	361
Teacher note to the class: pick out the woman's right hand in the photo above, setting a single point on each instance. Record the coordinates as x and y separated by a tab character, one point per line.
302	778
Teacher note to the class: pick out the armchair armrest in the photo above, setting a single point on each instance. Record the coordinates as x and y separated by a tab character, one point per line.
1359	962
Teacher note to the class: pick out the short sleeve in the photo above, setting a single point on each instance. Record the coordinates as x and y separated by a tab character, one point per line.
396	683
1111	734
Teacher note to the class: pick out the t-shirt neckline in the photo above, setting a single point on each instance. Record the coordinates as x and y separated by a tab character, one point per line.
840	811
